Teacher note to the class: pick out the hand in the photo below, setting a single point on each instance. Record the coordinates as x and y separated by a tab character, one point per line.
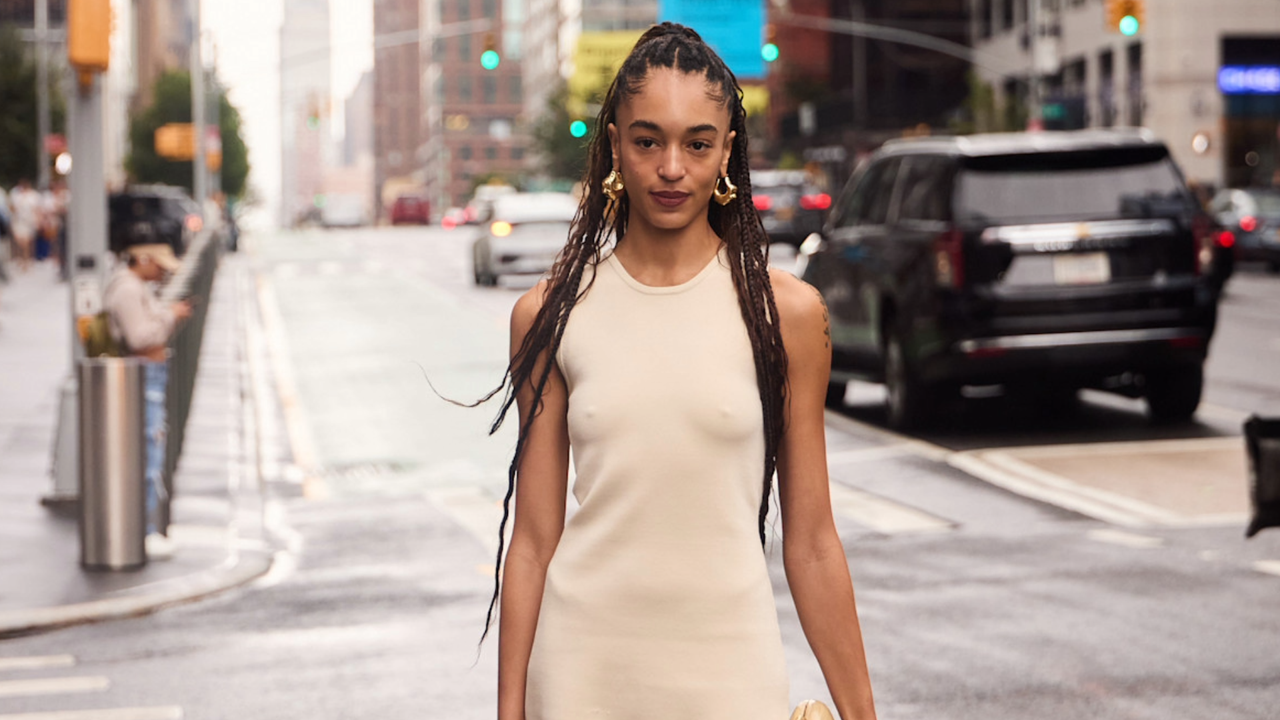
181	310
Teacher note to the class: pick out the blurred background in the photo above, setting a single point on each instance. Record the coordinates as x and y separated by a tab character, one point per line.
1048	232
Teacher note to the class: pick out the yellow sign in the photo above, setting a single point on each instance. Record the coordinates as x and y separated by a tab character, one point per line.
595	61
176	141
755	99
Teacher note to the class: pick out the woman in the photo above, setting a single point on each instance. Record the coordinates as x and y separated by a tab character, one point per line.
680	372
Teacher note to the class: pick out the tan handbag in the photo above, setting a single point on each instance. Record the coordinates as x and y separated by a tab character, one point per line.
812	710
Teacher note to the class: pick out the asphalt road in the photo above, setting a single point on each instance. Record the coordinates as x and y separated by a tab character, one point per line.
976	602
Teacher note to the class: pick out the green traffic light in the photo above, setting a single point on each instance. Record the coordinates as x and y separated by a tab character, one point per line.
578	129
489	59
769	52
1129	25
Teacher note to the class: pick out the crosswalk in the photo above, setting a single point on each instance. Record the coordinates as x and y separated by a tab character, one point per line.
45	680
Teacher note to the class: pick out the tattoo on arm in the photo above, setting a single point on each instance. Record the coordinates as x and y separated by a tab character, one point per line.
826	317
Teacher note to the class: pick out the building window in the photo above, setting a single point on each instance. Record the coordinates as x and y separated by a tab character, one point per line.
440	89
490	8
1006	14
437	49
491	153
515	88
1135	85
984	19
464	47
464	88
464	152
464	9
490	89
517	153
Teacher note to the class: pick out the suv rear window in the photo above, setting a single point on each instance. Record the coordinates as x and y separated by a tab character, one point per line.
1093	184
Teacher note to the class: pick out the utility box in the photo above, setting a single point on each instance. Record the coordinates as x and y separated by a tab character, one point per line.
113	453
1262	440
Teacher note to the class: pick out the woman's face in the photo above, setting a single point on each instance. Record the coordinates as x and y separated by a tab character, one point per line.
671	142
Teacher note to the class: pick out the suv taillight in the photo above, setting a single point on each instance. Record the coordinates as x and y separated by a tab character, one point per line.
817	201
948	259
194	223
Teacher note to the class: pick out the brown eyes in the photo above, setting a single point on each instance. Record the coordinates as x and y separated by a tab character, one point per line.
696	145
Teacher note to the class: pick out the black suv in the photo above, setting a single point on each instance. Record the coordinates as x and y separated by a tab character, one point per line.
153	214
1048	261
791	204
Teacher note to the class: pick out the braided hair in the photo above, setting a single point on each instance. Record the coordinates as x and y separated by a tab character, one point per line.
598	219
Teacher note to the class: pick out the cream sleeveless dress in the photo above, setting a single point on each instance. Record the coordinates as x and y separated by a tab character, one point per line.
657	603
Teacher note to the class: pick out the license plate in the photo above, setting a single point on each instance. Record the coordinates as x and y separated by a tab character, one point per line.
785	213
1081	269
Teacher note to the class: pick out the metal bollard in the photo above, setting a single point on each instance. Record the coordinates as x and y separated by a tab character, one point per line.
113	516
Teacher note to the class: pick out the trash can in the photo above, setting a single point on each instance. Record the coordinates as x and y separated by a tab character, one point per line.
1262	438
113	515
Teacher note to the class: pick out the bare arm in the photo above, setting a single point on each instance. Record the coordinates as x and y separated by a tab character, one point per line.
812	553
539	518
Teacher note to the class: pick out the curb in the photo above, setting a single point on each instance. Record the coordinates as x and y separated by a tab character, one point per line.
236	571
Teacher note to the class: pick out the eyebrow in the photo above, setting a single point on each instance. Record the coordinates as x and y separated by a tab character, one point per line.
653	126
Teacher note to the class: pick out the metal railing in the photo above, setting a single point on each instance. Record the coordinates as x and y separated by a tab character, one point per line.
193	280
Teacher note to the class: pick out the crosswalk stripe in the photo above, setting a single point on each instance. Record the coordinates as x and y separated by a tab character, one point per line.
36	662
883	515
53	686
136	713
1270	567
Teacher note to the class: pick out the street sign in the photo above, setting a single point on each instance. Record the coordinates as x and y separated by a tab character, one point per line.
176	141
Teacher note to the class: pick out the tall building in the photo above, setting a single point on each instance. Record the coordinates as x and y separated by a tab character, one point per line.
474	127
305	59
164	31
1203	75
397	95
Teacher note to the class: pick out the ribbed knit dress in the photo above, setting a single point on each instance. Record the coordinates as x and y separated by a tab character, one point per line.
657	603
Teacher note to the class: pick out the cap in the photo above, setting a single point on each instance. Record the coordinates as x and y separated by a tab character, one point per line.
158	253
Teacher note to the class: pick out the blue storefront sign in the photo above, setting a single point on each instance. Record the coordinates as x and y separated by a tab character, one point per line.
1249	79
733	27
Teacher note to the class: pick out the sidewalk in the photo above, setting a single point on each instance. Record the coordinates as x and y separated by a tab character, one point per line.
217	516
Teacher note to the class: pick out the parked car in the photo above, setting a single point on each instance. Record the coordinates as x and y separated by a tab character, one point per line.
790	204
152	214
1253	216
525	233
453	217
410	210
480	209
1053	261
344	210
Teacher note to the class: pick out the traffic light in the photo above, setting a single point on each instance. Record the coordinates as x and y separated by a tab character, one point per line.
89	35
489	59
1126	16
769	50
578	129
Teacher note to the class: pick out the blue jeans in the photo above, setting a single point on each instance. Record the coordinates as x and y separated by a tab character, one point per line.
156	376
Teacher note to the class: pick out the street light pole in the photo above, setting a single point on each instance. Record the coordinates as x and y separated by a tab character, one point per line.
201	184
43	123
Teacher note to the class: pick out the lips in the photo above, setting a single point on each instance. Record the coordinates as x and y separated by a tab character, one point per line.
667	198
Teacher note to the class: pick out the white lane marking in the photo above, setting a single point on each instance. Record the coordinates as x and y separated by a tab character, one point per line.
1270	567
36	662
857	455
135	713
1128	448
53	686
329	268
285	270
1127	539
883	515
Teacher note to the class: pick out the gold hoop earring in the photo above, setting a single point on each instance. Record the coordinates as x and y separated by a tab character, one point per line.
726	196
613	185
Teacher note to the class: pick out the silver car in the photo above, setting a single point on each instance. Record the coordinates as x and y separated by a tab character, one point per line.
523	235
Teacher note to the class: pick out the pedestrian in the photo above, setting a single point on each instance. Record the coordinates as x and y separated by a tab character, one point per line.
142	325
679	372
26	221
6	235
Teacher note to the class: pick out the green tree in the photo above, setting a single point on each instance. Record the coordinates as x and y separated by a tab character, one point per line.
18	132
172	104
565	156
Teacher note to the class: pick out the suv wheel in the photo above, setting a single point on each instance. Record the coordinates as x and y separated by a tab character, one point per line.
909	399
1174	393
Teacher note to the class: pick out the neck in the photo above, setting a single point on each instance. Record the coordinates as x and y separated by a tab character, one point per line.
660	256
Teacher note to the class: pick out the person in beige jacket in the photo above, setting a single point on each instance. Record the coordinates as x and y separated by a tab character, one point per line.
143	325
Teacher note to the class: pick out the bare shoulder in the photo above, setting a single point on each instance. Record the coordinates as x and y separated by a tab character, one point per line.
801	310
527	308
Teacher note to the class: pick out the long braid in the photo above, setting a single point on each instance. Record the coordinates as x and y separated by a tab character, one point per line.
598	220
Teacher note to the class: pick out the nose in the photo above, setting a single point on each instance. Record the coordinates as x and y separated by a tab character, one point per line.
672	166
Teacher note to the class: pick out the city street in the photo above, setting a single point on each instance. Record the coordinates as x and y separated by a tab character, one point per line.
1014	562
